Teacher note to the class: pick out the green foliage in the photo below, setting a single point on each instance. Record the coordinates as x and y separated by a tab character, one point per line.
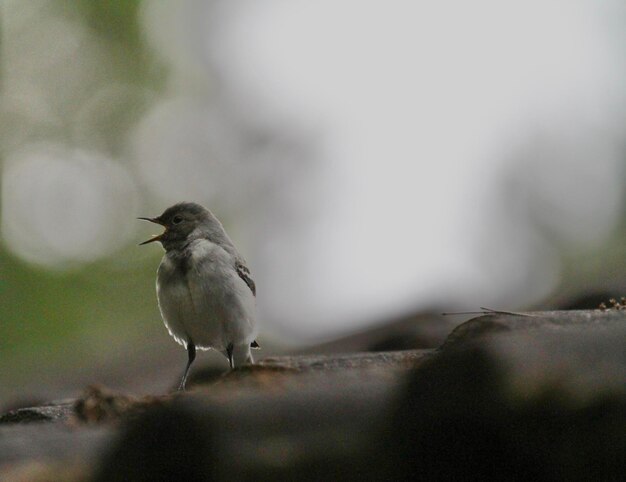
82	310
116	19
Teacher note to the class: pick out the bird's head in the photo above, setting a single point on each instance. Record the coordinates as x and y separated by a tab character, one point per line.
180	221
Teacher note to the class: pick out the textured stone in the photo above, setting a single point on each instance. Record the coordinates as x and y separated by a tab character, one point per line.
536	323
536	396
539	397
44	413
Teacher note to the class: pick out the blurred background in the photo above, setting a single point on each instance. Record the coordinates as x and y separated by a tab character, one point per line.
375	162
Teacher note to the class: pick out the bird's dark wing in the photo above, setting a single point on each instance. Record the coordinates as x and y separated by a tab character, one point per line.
244	274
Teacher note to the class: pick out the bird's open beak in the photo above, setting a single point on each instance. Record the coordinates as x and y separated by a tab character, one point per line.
156	237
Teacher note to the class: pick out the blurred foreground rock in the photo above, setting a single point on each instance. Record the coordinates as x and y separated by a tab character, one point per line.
534	396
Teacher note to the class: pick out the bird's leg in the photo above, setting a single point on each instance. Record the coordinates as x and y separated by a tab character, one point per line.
229	354
242	355
191	351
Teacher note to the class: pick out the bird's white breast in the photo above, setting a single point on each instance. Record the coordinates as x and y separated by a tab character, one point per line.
203	299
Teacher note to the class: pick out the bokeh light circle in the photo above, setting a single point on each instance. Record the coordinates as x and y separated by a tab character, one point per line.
61	207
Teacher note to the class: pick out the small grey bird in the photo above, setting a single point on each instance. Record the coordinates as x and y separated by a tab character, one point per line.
205	292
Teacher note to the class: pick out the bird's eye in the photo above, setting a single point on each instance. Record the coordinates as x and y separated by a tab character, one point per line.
177	219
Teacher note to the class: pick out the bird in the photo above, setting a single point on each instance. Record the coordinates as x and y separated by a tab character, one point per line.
205	292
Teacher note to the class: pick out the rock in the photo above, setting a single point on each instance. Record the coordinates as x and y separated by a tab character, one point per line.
537	323
42	471
50	442
173	442
304	363
308	427
292	417
540	397
99	404
45	413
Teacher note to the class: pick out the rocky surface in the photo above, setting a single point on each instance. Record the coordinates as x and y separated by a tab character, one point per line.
52	412
539	396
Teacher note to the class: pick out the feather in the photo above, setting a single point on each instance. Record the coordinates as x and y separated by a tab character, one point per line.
244	274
